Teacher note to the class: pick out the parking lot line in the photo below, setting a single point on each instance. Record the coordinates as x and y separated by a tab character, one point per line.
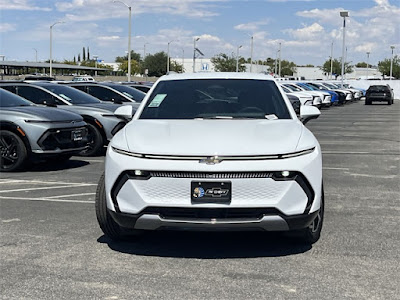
45	199
48	188
36	182
72	195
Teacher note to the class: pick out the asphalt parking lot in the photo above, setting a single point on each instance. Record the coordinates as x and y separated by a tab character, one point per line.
52	247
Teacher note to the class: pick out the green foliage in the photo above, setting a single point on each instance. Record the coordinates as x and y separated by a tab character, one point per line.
175	67
224	63
156	64
135	67
337	67
361	65
134	56
88	54
83	54
69	62
384	67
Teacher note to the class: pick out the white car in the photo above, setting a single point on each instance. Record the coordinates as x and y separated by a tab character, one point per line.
213	151
325	97
305	99
317	100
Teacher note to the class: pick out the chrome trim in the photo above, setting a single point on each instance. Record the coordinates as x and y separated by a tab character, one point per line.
220	158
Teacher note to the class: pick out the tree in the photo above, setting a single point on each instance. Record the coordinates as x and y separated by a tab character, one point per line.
362	65
135	67
83	54
337	67
88	54
156	64
287	68
175	67
79	57
74	60
134	56
384	67
69	62
224	63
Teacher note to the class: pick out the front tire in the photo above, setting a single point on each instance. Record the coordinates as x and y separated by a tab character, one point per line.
95	141
13	151
107	224
312	233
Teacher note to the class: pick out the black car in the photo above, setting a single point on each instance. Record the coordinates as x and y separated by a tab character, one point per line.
110	92
382	93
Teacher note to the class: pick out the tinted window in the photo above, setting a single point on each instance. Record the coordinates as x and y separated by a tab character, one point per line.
8	99
105	94
129	92
378	88
215	98
37	95
70	94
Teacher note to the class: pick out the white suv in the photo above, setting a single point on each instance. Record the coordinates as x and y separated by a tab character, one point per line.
219	151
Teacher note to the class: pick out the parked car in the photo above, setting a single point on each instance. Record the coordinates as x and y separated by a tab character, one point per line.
29	132
340	94
83	78
242	160
349	95
140	87
305	99
101	121
334	98
325	97
295	101
110	92
382	93
316	99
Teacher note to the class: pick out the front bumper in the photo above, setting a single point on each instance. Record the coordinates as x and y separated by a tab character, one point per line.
164	218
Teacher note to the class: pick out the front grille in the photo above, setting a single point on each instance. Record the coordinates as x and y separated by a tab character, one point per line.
205	175
54	139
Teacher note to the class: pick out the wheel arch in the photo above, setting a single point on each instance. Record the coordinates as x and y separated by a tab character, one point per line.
92	120
10	126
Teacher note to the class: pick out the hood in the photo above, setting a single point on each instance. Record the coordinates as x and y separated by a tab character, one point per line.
213	137
44	113
111	107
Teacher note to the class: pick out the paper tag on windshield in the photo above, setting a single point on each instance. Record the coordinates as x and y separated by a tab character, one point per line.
271	117
157	100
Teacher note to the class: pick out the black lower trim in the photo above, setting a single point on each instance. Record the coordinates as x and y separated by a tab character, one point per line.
294	222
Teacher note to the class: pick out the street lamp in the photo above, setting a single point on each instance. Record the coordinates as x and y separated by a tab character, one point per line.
368	53
51	45
237	58
95	64
35	54
129	38
144	50
280	59
183	58
251	52
344	15
331	59
391	63
168	55
194	54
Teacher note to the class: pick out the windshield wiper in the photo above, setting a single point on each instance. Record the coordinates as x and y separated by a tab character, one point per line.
215	117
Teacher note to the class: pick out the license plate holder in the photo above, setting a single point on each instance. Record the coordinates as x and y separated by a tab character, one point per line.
211	191
77	135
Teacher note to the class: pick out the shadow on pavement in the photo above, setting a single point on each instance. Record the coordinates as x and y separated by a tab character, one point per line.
208	245
54	165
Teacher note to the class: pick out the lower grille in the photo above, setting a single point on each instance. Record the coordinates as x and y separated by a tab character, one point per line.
54	139
204	175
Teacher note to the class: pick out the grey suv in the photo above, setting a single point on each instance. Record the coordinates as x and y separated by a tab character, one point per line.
28	131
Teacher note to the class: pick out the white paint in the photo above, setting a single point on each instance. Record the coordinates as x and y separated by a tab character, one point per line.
45	199
48	188
71	195
330	168
10	220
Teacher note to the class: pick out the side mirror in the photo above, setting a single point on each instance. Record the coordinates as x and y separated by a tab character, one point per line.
124	112
308	113
117	100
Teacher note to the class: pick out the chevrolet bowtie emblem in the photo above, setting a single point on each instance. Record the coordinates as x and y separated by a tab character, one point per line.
210	160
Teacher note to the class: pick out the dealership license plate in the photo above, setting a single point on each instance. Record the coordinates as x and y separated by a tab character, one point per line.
77	135
211	191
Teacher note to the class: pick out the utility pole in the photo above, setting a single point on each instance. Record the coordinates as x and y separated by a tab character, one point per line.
331	60
280	59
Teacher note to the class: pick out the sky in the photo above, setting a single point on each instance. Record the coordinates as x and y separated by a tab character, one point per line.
305	28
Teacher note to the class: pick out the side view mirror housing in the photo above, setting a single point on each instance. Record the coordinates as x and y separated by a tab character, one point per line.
124	112
308	113
117	101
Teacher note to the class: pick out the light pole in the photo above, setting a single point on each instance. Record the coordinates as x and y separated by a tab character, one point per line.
95	64
344	15
183	58
280	59
391	63
129	38
168	55
368	53
276	63
331	60
35	54
51	46
251	51
144	50
237	58
194	54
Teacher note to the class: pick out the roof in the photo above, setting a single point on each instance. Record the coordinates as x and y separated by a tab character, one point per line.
46	65
217	75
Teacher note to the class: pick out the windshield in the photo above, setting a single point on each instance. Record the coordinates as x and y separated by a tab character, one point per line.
293	88
306	87
129	92
216	99
70	94
8	99
331	86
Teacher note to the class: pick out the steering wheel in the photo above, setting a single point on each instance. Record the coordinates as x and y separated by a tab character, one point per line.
251	109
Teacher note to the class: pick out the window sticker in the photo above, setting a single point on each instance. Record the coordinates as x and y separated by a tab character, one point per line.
65	97
157	100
